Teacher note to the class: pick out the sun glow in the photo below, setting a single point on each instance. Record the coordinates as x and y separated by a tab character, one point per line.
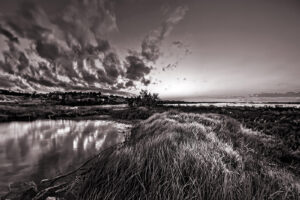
175	88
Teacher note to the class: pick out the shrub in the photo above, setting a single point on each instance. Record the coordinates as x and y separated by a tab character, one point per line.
144	99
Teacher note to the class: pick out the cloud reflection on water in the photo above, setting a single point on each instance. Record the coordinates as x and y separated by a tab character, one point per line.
44	148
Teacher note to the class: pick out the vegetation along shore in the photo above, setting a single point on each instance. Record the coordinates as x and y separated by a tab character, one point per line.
178	152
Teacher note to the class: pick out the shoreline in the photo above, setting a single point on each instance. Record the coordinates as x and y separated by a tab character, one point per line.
21	112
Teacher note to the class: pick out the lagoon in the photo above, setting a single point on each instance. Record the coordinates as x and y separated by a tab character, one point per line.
32	151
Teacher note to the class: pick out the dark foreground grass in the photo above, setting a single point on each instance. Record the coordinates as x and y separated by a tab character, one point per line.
188	156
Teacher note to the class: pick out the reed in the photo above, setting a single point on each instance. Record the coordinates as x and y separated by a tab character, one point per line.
189	156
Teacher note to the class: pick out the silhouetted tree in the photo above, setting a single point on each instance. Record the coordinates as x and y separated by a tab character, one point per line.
145	98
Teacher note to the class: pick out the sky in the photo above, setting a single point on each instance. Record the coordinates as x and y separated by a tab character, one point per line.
177	48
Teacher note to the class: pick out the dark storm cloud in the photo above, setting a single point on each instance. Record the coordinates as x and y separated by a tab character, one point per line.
15	61
66	67
24	74
23	62
112	65
152	42
47	50
67	48
6	67
120	86
136	67
129	83
145	81
9	35
64	50
69	43
81	24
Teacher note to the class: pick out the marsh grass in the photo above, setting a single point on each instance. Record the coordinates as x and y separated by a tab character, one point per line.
188	156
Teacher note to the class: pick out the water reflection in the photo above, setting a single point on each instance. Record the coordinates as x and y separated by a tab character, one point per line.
45	148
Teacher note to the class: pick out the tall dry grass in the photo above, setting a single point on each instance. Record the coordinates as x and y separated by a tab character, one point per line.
189	156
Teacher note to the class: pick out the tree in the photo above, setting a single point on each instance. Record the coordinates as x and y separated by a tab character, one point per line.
144	99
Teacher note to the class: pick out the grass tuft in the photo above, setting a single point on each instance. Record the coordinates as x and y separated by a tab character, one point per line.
189	156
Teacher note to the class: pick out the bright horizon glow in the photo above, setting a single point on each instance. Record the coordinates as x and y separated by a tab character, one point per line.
174	88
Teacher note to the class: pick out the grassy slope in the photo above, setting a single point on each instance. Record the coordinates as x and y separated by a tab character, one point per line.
189	156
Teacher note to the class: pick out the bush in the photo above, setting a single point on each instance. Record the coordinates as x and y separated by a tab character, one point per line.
144	99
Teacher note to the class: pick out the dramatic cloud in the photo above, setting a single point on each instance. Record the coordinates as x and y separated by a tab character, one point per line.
47	50
136	68
64	50
120	86
9	35
129	84
112	66
152	42
68	49
146	81
137	64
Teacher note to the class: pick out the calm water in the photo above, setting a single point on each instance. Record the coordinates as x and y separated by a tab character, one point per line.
238	104
44	148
